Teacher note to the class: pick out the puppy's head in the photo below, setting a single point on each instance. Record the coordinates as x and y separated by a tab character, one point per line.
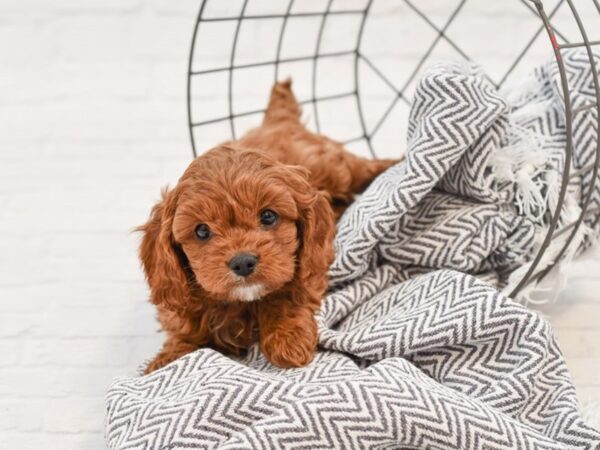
238	226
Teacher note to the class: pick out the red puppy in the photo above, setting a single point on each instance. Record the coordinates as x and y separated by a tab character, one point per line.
238	251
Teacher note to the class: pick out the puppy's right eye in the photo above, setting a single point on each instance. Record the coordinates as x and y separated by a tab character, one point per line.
203	232
268	217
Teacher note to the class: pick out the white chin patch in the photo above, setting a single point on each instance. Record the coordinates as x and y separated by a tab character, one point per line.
248	292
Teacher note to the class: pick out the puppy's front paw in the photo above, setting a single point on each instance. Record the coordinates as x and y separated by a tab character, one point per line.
159	361
288	347
168	354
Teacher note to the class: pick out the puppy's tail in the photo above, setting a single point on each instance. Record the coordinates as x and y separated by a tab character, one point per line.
282	104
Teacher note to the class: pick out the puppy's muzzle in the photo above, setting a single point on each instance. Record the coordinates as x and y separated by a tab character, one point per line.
243	264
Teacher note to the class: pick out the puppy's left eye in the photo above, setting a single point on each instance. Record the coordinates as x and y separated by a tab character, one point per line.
202	232
268	217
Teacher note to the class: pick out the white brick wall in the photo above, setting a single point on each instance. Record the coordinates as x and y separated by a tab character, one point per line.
92	124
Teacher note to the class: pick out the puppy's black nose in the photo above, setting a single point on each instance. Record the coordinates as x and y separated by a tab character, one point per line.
243	264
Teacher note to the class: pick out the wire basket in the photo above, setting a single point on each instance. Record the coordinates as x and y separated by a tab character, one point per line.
356	87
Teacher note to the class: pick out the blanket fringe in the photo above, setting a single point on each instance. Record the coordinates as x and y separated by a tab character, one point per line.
550	287
590	413
522	163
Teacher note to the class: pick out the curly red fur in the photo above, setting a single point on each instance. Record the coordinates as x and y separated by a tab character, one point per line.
279	166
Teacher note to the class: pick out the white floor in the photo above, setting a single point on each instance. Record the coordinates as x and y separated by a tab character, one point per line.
575	317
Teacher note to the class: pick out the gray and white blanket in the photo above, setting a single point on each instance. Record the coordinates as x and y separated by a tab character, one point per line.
418	347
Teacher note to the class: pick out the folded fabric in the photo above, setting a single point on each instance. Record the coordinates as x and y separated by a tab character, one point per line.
417	348
481	179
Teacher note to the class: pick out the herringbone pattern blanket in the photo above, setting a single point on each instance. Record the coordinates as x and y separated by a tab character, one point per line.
418	347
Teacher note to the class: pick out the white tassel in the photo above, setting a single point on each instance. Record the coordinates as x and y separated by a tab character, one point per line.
553	185
550	287
590	412
519	90
520	162
529	198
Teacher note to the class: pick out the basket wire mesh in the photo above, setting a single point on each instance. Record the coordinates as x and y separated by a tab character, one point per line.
227	30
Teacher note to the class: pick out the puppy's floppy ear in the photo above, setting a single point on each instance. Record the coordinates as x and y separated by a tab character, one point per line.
161	257
316	228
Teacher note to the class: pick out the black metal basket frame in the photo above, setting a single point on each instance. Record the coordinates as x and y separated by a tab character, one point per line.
557	40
